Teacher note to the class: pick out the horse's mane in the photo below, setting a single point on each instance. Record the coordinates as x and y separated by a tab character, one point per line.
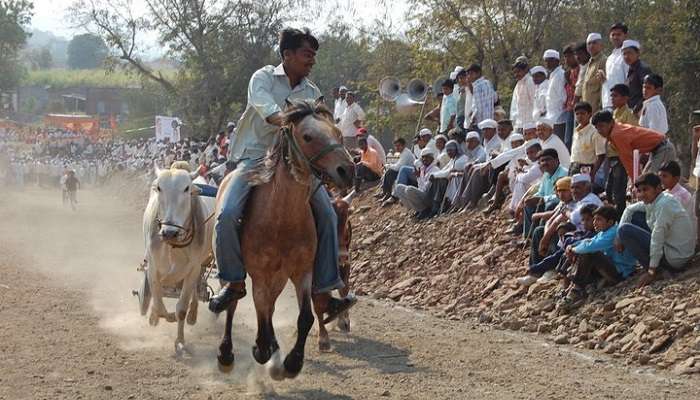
281	147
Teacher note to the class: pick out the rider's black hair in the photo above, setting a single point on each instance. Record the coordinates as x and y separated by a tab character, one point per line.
293	39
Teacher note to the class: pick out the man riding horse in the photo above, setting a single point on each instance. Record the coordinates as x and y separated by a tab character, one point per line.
269	89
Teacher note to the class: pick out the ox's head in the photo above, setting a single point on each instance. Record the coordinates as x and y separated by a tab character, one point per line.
174	190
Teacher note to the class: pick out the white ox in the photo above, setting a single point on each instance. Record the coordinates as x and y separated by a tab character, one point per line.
177	230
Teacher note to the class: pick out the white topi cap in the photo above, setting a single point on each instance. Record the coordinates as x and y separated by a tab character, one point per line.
488	123
545	121
578	178
427	151
514	137
592	37
473	135
537	69
551	54
628	44
425	132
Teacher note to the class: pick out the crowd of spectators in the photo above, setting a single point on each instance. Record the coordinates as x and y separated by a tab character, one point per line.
582	164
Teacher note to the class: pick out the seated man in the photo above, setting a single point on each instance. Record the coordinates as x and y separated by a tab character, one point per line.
555	262
551	170
442	158
370	167
670	175
406	158
597	257
670	241
418	198
447	178
492	141
424	139
270	87
373	143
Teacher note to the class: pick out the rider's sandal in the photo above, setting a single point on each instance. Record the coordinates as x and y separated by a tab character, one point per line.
337	307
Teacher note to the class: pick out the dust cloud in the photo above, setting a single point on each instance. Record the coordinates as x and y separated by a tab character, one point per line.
96	250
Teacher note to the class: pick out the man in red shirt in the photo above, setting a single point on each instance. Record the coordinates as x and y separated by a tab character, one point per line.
627	138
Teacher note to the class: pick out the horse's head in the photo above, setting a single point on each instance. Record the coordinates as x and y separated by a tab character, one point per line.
174	189
319	141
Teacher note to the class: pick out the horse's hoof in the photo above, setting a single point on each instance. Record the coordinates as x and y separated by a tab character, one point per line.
344	325
275	368
170	317
293	364
261	356
324	346
180	349
153	319
225	362
192	317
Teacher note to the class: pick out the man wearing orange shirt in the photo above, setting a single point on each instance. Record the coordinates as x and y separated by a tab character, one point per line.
627	138
370	167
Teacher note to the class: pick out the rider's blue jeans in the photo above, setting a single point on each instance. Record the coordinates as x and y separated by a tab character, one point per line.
229	260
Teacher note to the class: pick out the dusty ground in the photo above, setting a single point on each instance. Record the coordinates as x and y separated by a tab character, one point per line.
70	329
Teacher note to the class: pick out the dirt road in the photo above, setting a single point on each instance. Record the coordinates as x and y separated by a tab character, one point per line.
70	329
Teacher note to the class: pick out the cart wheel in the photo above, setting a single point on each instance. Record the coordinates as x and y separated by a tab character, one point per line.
144	294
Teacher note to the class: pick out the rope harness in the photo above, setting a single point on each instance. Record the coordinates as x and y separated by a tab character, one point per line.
189	233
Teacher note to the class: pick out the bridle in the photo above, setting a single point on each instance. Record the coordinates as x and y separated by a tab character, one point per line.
309	161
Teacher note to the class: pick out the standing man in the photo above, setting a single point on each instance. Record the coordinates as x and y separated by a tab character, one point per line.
484	96
339	104
615	66
637	70
653	115
582	58
571	77
592	84
556	92
523	101
270	87
352	119
448	108
464	96
616	185
539	76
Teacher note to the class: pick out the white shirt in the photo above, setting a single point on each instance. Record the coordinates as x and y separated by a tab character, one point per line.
553	142
615	72
417	150
374	143
653	115
339	108
443	159
556	96
587	145
493	146
455	164
540	108
406	158
352	113
468	108
575	216
523	101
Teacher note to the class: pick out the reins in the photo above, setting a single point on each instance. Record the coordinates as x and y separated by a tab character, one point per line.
309	162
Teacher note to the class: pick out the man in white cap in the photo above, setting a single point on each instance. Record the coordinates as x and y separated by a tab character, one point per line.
339	104
475	151
417	198
545	132
539	76
424	139
492	142
556	92
352	119
593	79
615	66
637	70
523	100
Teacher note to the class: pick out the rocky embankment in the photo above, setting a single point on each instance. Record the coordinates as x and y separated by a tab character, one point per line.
465	266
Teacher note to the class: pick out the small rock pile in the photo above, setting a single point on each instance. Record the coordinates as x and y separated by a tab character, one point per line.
465	266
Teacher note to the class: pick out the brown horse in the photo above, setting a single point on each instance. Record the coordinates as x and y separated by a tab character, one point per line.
278	239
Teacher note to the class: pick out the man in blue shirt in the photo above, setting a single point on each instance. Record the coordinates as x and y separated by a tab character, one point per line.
269	89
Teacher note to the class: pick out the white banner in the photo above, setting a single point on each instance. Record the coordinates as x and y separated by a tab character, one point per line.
168	127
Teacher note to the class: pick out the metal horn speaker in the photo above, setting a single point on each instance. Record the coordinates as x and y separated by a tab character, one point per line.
389	88
417	90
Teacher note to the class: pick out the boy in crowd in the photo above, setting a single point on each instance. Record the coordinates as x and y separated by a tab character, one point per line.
588	147
653	110
670	175
668	240
370	167
597	257
616	185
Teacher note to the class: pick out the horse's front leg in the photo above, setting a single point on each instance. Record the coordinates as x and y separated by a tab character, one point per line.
265	342
225	357
294	361
324	342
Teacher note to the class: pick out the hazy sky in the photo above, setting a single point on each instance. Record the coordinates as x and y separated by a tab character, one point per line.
50	15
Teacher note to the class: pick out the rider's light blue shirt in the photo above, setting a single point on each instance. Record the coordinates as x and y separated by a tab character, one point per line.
267	91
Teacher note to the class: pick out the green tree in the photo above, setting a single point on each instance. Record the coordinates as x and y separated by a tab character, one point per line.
86	51
15	16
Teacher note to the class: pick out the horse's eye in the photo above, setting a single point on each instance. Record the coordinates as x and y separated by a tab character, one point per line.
187	189
307	138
